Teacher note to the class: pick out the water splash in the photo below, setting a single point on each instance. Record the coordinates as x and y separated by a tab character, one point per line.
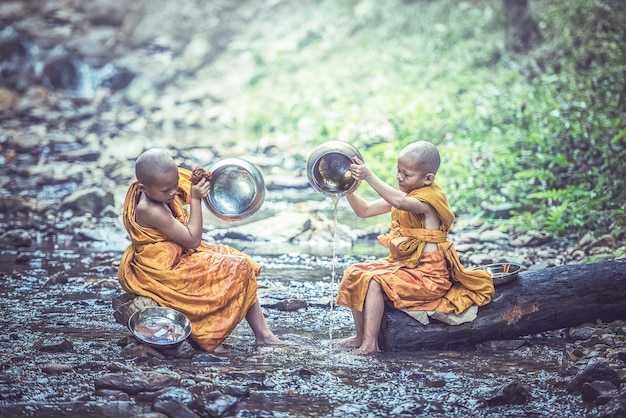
335	200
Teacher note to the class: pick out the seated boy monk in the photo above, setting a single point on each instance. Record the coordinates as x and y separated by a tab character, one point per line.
213	285
423	271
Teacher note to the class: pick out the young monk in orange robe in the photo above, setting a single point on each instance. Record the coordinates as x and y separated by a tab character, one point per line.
213	285
423	271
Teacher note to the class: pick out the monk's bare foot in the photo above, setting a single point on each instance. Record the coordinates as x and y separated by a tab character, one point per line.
270	339
366	349
352	342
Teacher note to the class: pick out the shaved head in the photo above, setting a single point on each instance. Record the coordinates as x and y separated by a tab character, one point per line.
152	164
424	155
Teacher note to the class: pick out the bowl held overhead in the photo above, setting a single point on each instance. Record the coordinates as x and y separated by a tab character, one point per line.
237	189
328	168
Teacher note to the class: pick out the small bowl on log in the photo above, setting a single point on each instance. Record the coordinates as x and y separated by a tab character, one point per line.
501	272
159	327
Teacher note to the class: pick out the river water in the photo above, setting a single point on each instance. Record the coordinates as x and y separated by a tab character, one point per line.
62	287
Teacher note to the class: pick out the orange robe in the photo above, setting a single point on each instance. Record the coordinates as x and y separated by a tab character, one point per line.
412	280
213	285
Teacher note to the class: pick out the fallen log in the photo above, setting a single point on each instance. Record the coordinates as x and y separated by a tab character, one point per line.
537	301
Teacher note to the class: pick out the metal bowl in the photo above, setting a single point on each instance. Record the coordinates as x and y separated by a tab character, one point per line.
237	189
159	326
328	168
501	272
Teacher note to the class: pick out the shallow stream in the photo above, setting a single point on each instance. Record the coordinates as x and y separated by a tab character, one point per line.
306	377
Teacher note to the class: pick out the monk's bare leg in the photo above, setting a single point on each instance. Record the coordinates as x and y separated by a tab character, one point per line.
356	340
372	317
262	332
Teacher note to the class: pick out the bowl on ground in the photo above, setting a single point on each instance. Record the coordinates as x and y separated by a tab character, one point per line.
159	326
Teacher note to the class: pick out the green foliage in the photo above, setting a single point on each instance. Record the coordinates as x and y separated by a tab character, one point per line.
544	131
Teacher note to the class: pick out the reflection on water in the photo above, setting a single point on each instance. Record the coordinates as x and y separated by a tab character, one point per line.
307	377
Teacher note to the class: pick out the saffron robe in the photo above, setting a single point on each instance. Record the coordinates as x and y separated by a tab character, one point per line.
412	280
213	285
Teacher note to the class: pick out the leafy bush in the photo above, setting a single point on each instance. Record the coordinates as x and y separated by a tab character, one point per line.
543	131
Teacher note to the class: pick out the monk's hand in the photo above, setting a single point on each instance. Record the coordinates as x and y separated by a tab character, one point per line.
201	189
359	170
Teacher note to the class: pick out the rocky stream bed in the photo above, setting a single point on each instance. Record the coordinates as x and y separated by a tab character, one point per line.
84	90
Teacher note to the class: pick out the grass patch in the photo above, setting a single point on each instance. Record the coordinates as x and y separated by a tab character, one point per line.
543	131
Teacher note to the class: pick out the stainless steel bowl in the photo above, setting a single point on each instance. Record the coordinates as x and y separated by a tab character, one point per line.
328	168
501	272
159	326
237	189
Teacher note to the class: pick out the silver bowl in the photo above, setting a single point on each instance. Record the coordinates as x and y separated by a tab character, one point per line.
237	189
501	272
159	326
328	168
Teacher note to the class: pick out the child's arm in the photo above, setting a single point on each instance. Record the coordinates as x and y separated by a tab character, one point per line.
393	197
161	218
364	209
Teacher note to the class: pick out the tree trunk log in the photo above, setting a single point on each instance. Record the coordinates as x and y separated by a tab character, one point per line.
537	301
520	28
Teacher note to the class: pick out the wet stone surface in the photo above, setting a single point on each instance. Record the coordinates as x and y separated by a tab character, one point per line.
64	354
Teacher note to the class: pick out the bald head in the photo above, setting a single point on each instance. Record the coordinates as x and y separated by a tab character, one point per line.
152	164
424	155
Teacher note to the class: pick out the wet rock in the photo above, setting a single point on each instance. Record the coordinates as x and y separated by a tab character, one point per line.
598	392
583	332
182	350
512	393
494	236
301	372
151	415
591	245
8	98
195	53
22	259
173	408
435	383
289	305
127	304
16	238
133	383
531	239
121	408
236	390
116	366
140	352
499	210
177	402
92	200
408	409
208	359
499	345
14	204
615	408
106	13
112	395
57	368
219	404
60	277
54	345
599	370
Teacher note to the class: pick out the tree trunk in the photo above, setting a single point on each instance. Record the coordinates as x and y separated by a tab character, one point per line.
520	28
535	302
